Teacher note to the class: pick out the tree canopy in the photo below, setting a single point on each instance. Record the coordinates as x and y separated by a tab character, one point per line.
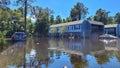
117	17
78	12
101	15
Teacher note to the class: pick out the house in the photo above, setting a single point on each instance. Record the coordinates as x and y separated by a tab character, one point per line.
111	29
81	28
118	30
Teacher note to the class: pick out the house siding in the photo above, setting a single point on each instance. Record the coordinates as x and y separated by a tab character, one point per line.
118	30
86	29
74	28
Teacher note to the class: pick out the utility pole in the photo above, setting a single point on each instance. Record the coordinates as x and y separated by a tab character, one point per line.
25	22
25	15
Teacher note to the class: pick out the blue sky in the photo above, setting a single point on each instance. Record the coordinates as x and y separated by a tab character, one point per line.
63	7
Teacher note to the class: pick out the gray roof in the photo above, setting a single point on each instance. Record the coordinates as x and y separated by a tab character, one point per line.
96	23
76	22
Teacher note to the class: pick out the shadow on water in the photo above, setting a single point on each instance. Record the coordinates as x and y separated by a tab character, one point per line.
57	53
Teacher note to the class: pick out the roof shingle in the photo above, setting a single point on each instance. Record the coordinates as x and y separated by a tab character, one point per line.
76	22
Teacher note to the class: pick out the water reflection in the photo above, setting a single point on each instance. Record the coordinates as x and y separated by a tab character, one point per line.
12	56
78	46
78	62
57	53
4	44
81	48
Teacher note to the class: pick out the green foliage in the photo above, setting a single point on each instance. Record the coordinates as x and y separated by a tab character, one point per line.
43	21
30	27
117	17
17	20
68	19
58	20
110	20
101	15
90	18
51	21
3	34
63	21
78	12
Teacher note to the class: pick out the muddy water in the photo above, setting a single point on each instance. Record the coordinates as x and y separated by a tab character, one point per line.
57	53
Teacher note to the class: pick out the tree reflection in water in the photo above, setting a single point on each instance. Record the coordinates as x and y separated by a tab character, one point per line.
78	62
3	44
51	53
118	56
13	56
102	59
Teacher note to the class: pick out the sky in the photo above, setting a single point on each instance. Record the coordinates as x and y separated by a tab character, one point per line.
63	7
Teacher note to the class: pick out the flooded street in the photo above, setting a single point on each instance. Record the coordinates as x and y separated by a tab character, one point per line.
57	53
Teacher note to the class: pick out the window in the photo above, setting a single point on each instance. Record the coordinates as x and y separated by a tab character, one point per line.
70	27
76	27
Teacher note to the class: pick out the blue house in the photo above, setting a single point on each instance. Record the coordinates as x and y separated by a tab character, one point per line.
81	28
113	29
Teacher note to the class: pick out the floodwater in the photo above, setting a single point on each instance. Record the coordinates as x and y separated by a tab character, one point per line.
57	53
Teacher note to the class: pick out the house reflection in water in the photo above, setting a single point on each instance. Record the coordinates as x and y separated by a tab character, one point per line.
81	50
76	46
112	44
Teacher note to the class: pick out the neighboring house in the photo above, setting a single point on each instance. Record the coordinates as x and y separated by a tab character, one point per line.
118	30
81	28
111	29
